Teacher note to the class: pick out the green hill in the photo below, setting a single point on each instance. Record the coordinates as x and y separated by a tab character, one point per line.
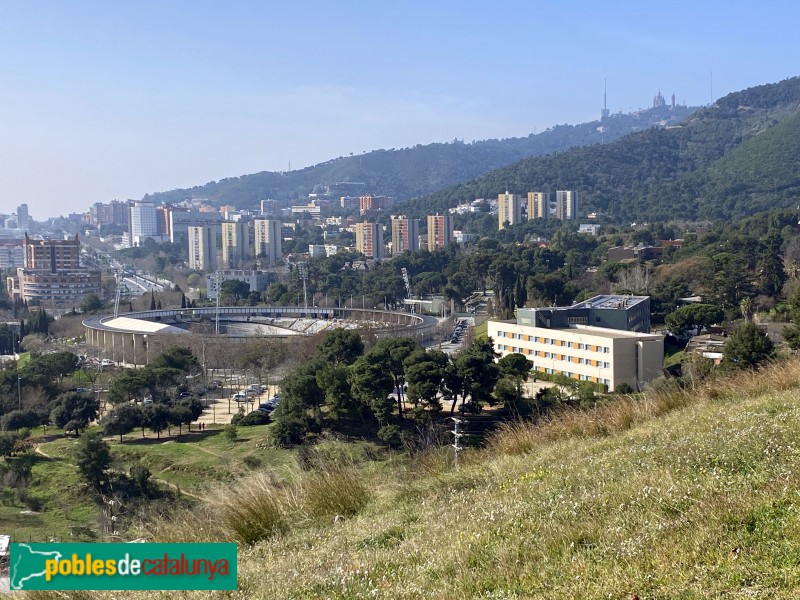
734	158
411	172
680	494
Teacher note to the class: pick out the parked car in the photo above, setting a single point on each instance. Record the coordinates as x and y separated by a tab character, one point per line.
185	395
239	397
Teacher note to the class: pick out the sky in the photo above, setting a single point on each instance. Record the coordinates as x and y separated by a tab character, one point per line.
112	100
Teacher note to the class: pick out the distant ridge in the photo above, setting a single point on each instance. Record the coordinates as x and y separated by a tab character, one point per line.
737	157
412	172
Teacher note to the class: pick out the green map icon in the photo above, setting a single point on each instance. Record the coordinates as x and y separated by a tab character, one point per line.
27	564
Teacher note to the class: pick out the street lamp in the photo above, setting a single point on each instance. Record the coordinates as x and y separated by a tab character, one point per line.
19	391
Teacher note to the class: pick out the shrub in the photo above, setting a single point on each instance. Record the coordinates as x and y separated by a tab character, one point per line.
252	461
32	502
391	435
230	432
18	419
141	476
256	417
289	431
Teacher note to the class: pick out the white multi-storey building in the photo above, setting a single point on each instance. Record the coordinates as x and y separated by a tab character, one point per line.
566	205
268	239
258	280
235	243
142	223
202	247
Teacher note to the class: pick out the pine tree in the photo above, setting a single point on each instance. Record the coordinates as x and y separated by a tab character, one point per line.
183	300
152	300
159	307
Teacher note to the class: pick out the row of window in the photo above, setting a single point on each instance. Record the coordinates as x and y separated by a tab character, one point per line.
553	342
555	356
574	376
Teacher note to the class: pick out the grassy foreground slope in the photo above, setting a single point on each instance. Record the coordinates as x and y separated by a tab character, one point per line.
679	495
700	503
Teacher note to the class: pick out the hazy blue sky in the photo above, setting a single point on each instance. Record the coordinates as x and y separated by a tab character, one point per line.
104	100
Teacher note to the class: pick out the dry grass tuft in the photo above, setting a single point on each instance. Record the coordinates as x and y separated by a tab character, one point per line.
339	491
256	509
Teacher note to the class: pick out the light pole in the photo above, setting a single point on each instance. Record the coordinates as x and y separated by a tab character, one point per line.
19	391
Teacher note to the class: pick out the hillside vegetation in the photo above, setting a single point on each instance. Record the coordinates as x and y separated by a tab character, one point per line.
690	494
423	169
734	158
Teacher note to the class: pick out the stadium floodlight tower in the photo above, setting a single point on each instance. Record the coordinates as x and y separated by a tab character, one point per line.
407	282
118	277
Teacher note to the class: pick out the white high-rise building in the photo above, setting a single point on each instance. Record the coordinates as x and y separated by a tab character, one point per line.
268	239
142	222
235	244
23	219
566	205
202	247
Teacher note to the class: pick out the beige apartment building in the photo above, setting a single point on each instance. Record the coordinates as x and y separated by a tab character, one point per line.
440	231
405	234
509	209
538	205
369	239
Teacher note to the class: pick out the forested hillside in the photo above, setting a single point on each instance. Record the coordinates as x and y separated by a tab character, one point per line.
734	158
412	172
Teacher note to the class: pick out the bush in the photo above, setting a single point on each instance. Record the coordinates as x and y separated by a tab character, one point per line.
32	502
252	461
289	431
230	433
256	417
391	435
19	419
141	477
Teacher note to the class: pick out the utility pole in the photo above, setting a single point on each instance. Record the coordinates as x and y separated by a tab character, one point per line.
457	435
19	391
302	269
216	329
